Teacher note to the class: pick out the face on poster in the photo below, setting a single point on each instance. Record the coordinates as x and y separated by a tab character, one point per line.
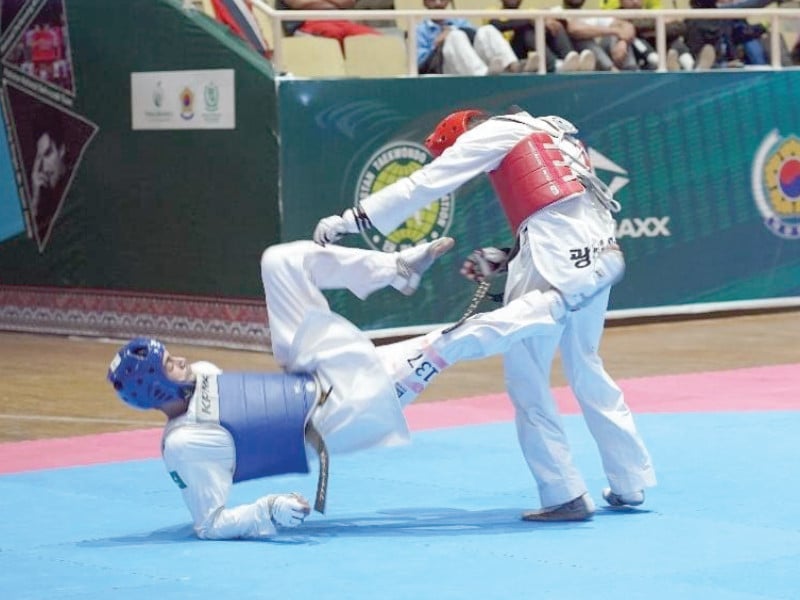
50	141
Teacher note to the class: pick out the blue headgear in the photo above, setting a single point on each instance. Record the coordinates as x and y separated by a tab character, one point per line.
137	373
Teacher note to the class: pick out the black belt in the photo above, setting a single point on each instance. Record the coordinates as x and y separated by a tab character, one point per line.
314	438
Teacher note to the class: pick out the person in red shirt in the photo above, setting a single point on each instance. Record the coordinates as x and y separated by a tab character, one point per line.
337	29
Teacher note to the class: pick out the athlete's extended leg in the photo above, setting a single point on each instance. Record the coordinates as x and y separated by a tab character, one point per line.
293	275
414	363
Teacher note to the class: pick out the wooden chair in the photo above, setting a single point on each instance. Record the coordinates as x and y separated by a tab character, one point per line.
375	56
312	56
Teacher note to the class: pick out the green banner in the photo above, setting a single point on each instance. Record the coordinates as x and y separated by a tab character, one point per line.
705	166
183	158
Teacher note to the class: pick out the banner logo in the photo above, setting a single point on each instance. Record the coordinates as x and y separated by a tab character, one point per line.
211	97
187	103
775	178
643	227
158	95
392	162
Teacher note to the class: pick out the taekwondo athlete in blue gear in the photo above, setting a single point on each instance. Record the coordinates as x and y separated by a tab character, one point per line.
228	427
260	415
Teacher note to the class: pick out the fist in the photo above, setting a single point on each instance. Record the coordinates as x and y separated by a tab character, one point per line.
289	510
484	263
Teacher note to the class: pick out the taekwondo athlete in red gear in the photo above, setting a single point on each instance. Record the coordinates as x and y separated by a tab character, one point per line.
561	215
228	427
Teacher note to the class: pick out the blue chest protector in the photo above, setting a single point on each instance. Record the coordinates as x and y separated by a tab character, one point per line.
266	415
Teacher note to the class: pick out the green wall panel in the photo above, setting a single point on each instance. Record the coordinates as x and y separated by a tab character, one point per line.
685	143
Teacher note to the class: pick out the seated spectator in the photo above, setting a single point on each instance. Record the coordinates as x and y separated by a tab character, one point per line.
337	29
679	56
750	38
735	41
560	54
455	47
610	39
717	33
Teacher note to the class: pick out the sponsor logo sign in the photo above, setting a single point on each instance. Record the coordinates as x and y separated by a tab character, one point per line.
204	99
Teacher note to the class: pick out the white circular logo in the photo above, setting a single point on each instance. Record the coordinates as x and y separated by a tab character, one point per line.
776	184
392	162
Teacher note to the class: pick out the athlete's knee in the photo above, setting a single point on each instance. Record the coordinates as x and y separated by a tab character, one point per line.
280	256
272	258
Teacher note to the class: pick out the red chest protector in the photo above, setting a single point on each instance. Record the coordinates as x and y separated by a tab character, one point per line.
531	177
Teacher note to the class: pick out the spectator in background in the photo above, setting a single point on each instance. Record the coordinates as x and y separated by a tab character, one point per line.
679	56
336	29
609	38
560	54
750	39
455	47
717	33
735	41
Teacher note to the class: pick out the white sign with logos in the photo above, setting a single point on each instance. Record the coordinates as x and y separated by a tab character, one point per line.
183	99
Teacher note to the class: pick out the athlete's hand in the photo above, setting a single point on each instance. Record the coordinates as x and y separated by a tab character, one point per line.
484	263
331	229
288	510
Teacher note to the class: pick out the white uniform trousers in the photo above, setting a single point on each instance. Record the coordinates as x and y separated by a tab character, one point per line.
528	365
295	273
489	48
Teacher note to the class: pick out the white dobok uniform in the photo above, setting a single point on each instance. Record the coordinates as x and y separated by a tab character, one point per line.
558	238
369	385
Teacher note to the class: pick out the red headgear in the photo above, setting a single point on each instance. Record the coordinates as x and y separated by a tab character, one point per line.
448	130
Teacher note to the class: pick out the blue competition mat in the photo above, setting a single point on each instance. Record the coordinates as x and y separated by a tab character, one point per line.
435	519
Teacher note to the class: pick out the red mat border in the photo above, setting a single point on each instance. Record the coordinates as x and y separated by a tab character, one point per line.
769	388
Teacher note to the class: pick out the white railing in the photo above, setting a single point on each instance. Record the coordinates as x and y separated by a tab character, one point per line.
774	16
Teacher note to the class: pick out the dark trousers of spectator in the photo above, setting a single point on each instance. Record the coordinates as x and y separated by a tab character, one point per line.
556	46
